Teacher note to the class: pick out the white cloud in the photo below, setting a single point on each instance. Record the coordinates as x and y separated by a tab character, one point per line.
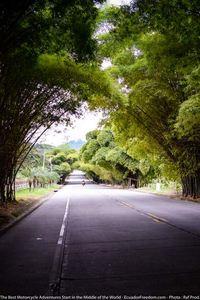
118	2
61	134
81	126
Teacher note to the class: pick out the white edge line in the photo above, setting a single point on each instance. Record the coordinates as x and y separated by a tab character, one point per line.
62	230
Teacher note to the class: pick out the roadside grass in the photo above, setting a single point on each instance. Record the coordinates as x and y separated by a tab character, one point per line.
25	199
168	188
35	193
161	191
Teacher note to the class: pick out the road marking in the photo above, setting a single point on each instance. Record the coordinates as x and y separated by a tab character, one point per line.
63	226
128	205
156	218
152	216
56	270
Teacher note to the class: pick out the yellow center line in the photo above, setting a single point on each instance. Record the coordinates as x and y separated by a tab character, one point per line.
155	220
152	216
156	217
128	205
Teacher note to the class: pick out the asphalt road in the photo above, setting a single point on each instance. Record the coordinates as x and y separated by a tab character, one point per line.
94	240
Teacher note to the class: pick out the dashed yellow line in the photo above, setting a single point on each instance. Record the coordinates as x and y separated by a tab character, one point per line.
156	217
152	216
155	220
128	205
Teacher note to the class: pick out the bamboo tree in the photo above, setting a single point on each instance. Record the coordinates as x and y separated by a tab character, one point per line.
156	59
41	82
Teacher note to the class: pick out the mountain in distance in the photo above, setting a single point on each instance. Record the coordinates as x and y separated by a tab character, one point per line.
43	147
76	144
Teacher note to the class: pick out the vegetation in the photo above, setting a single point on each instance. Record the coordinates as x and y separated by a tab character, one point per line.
62	160
35	193
45	74
154	51
103	160
46	165
49	62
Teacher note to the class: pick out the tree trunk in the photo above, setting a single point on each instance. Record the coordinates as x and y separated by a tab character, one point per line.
7	191
191	185
7	182
2	191
10	189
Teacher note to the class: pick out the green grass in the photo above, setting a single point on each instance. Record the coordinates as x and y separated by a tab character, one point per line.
35	193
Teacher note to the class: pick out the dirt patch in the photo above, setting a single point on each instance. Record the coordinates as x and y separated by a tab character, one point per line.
190	199
14	210
170	194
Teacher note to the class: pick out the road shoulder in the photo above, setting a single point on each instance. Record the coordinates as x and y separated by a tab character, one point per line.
20	213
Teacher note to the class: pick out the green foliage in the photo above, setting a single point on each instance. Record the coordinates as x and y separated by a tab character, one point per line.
103	160
100	158
151	91
62	169
35	193
44	176
46	72
92	134
188	119
63	160
46	164
51	25
72	157
59	158
156	60
33	171
105	138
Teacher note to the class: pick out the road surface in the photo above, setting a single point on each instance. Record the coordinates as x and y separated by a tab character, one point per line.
95	240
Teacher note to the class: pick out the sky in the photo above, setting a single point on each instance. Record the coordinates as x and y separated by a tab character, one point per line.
61	134
118	2
58	135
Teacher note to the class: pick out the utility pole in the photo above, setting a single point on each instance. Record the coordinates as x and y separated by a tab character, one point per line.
50	160
43	163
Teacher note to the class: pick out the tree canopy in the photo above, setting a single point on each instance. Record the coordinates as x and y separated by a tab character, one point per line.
50	62
104	160
154	51
46	72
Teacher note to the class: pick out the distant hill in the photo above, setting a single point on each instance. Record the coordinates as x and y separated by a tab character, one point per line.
76	144
43	147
